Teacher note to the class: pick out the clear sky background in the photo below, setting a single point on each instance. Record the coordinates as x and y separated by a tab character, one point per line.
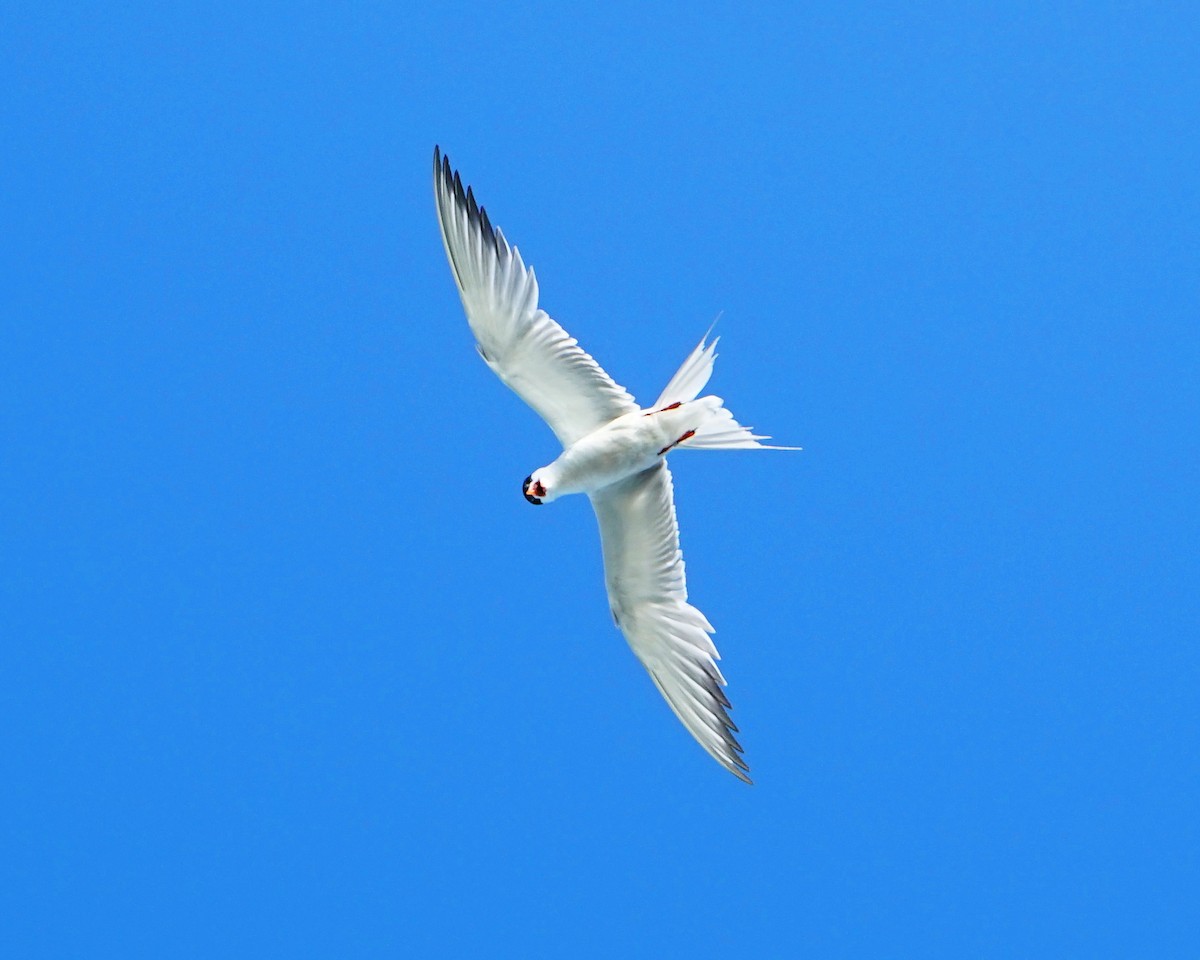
289	667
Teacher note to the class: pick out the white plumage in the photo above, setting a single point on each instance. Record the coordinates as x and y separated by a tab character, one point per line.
613	450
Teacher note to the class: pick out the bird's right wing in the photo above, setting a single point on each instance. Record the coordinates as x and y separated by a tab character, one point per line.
532	354
643	569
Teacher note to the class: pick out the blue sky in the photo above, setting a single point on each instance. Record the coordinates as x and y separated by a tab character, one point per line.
290	668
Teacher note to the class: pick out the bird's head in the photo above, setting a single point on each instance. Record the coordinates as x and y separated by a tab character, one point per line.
535	490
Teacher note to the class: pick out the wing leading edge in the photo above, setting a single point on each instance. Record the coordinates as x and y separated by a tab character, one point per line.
647	590
530	353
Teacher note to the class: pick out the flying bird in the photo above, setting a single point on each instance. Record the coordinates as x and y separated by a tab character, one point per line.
613	450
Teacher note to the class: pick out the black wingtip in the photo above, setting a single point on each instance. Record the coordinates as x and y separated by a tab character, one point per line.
442	168
464	197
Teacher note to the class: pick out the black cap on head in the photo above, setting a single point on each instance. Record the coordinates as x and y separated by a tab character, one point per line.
528	496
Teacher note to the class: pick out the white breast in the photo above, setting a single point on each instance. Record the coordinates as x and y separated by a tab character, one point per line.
620	449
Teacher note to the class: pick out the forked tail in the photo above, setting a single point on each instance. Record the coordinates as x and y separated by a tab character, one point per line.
716	429
691	377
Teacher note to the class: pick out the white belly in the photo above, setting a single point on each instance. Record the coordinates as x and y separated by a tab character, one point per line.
615	451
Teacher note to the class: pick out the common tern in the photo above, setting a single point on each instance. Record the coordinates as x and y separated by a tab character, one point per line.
613	450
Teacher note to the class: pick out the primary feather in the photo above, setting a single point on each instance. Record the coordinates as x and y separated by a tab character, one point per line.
529	352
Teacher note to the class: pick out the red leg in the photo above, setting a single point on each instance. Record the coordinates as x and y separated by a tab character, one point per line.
672	406
686	436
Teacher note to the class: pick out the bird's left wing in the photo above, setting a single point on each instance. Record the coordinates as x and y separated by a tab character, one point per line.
643	569
531	353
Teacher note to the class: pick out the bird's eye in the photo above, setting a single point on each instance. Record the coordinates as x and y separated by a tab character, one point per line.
533	491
